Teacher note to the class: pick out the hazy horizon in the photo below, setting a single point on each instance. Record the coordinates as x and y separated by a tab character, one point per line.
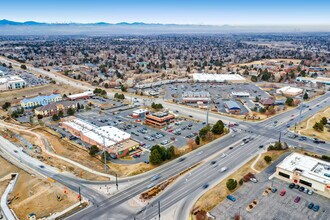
193	12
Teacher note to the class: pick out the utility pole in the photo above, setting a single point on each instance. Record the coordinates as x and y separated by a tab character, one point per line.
158	209
301	107
105	158
207	113
279	138
79	194
116	181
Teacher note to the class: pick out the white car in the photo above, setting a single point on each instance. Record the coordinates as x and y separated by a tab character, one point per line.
223	155
223	169
233	135
254	180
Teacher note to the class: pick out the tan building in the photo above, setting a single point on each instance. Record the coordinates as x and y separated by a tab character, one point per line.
309	172
55	108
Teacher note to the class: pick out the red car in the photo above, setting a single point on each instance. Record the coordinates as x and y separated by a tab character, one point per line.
297	199
282	193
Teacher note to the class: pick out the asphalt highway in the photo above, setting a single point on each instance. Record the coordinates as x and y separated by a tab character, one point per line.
188	188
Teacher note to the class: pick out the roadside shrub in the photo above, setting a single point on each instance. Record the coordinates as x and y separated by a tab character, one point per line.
268	159
241	182
231	184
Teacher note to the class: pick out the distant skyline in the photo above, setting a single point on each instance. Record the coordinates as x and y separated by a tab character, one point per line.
205	12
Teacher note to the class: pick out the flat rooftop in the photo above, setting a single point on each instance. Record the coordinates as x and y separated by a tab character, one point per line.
309	167
107	135
204	77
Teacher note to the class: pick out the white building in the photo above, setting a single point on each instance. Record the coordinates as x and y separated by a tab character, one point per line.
83	95
205	77
289	91
193	97
240	94
321	80
306	171
11	82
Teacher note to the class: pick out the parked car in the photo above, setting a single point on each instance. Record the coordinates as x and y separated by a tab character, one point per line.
297	199
306	191
274	190
292	185
316	208
231	198
282	193
296	186
310	192
311	205
301	189
254	180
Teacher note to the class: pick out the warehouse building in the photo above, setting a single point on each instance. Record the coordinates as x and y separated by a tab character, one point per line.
309	172
116	141
159	119
204	77
194	97
320	80
83	95
40	100
289	91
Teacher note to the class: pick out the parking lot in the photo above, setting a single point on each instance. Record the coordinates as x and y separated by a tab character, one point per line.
272	205
219	93
175	134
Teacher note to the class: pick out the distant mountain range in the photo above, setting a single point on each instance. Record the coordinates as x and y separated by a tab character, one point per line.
137	28
8	22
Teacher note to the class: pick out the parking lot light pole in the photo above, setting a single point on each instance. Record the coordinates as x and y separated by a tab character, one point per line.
104	154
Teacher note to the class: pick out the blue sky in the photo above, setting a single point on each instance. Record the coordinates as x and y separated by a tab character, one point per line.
215	12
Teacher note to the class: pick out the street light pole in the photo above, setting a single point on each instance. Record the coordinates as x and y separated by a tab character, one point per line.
104	154
158	209
116	181
207	113
279	138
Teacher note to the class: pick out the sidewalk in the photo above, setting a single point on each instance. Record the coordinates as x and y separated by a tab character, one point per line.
5	209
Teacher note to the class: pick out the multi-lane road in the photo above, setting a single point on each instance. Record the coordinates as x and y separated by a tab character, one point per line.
185	190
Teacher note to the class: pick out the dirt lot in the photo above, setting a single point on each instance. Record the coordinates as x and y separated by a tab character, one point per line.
60	164
70	150
306	126
35	194
32	91
130	169
218	193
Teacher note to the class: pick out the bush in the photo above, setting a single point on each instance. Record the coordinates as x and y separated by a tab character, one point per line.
318	126
326	158
6	105
241	182
231	184
56	117
70	111
218	127
197	140
155	157
93	150
268	159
